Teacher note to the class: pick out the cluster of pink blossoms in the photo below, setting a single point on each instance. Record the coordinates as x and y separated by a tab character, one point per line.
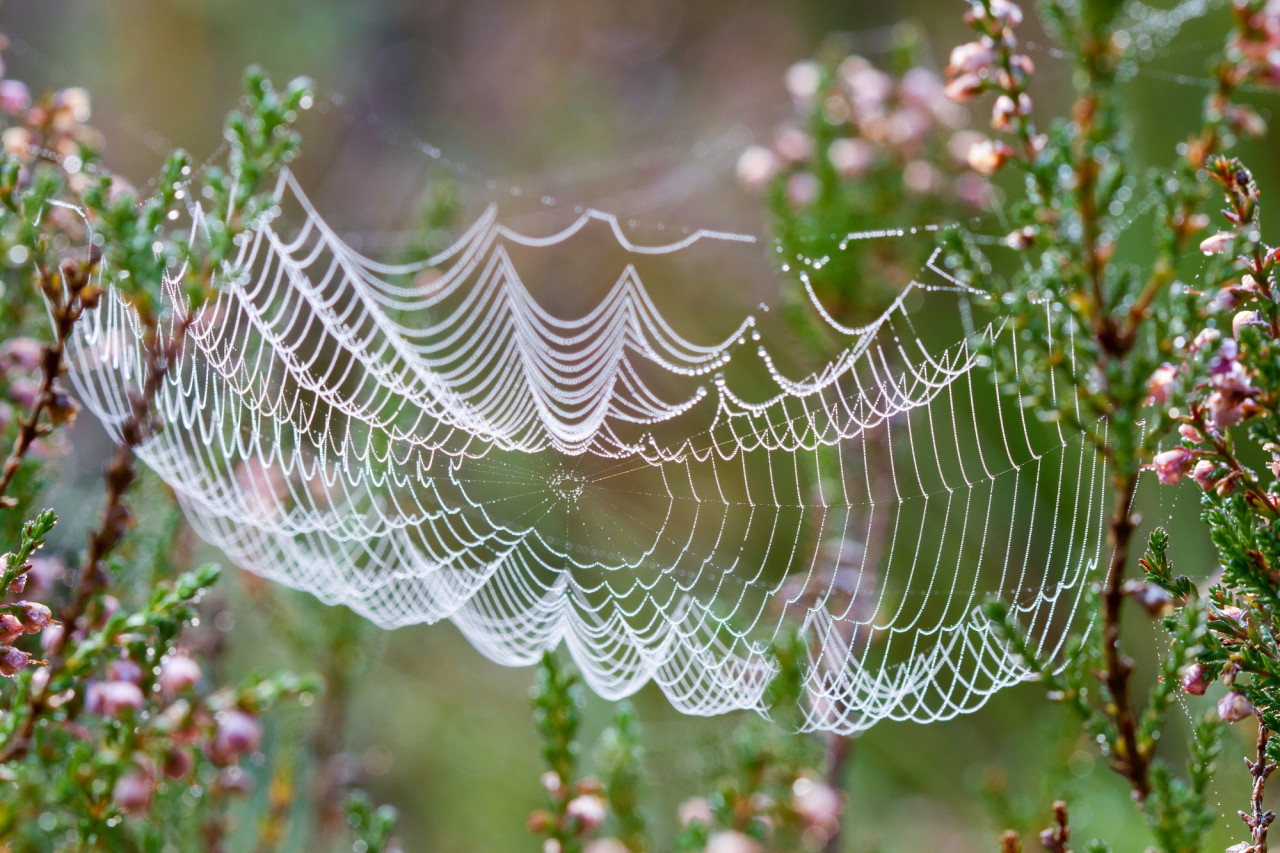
992	63
811	806
874	123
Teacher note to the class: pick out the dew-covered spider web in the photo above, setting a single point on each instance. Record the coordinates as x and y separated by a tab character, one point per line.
429	441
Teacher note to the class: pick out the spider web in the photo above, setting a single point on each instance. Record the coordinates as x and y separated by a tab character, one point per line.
428	441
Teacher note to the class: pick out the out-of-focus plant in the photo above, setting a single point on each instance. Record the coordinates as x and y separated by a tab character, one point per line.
867	150
767	793
112	735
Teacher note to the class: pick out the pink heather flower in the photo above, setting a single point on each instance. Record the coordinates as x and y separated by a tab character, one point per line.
1204	474
974	190
1245	121
178	672
1020	239
124	669
25	354
1195	680
1154	599
23	392
14	97
1160	383
906	127
1235	614
1006	13
921	178
1245	318
1216	244
922	89
177	763
19	142
970	58
1003	113
731	841
1171	464
868	86
803	80
238	732
802	189
34	616
113	698
71	107
132	793
963	87
606	845
588	809
1204	337
13	661
987	157
1189	433
1234	707
850	157
695	810
757	166
551	783
10	628
817	804
793	145
960	143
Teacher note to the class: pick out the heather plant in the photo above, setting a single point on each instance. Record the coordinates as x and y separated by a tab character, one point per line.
114	733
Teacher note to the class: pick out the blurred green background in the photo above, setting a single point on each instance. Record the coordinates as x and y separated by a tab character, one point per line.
639	108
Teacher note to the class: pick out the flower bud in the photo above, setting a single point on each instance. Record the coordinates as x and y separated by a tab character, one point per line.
132	793
1155	600
1195	680
1216	244
1235	706
10	628
113	698
731	841
13	661
802	189
552	784
124	669
588	809
695	810
33	615
1204	474
178	672
238	733
1171	464
177	763
1160	384
540	821
606	845
987	157
757	166
1245	318
14	97
817	804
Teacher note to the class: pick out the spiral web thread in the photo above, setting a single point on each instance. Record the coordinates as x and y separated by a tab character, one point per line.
428	447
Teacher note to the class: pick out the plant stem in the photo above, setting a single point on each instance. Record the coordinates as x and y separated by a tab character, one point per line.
1128	758
1261	818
